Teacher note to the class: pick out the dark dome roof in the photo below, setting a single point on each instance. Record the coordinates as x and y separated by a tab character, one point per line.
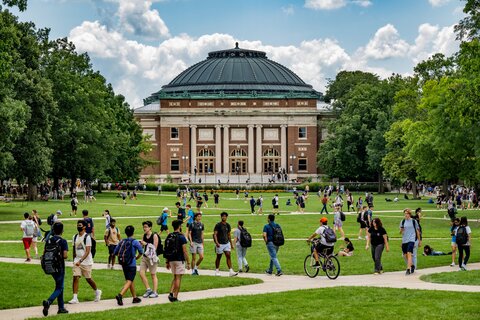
239	72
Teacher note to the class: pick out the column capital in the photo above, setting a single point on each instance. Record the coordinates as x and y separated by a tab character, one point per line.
259	125
284	126
250	125
193	126
226	126
218	126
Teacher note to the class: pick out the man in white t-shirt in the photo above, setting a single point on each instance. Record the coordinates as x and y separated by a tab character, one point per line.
83	261
28	228
321	245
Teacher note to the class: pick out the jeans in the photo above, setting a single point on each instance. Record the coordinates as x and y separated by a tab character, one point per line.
241	253
324	208
58	293
377	256
462	248
272	251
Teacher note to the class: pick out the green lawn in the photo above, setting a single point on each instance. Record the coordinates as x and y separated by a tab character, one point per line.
332	303
471	277
22	281
296	227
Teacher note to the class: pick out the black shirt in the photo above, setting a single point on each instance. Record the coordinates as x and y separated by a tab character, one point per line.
181	213
376	236
181	240
222	232
196	229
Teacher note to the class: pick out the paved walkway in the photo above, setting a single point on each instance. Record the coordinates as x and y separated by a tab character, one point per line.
270	284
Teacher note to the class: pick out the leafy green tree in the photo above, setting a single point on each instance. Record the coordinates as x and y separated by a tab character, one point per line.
21	4
469	27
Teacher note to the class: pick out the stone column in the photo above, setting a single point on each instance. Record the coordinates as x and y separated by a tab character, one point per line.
259	149
226	149
251	157
218	149
193	148
283	143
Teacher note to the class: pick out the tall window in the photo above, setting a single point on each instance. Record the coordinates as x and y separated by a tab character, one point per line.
302	164
271	160
173	133
174	165
205	161
302	132
238	161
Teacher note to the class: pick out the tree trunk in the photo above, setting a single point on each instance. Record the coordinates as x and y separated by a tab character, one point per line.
445	187
381	188
414	189
55	183
32	192
99	187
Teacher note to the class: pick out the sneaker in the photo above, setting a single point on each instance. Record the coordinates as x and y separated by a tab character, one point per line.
119	299
28	260
240	271
170	297
412	269
268	272
62	311
46	306
464	267
136	300
359	238
408	272
196	272
381	271
233	274
376	273
98	295
452	264
247	268
217	273
73	301
147	293
316	265
153	295
279	273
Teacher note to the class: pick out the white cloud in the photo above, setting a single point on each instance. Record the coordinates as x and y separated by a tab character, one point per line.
325	4
433	39
438	3
386	44
137	17
288	10
363	3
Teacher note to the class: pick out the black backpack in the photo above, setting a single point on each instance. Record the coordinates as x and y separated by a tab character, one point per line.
52	258
278	238
329	235
159	250
462	236
72	202
245	238
126	252
50	219
93	248
171	246
359	217
342	216
258	202
274	202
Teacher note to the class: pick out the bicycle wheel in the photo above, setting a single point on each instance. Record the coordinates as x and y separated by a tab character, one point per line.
332	267
308	266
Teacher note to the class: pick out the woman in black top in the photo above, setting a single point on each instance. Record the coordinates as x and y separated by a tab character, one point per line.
378	239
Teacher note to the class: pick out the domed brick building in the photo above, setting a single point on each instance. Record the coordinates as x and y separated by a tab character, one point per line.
235	117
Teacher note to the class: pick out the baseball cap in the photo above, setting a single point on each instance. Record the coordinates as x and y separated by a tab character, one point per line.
165	209
59	212
323	220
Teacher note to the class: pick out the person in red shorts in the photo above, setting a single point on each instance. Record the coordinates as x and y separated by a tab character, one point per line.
28	228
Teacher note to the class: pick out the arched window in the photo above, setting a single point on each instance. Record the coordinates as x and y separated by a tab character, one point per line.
205	161
206	153
238	161
238	153
271	160
271	153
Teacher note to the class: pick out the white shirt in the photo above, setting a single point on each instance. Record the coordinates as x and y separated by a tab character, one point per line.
320	232
80	248
24	224
468	230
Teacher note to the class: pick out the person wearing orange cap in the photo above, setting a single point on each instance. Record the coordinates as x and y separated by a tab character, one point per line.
327	240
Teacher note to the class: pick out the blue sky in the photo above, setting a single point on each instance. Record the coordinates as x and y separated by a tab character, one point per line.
141	45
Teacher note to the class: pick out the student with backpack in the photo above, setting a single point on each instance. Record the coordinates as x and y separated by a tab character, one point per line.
324	204
338	218
273	237
112	238
453	231
74	205
275	202
53	263
83	261
327	240
150	243
28	228
463	236
176	258
409	229
242	241
108	218
260	205
417	217
195	235
162	221
128	251
223	244
90	228
253	203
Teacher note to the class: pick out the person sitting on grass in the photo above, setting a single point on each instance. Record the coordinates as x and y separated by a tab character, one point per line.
348	250
428	251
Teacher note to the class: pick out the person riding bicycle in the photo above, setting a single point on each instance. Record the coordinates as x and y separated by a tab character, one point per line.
323	244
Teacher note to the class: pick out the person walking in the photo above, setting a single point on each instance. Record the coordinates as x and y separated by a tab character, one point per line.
241	251
252	205
28	228
410	232
112	238
149	261
377	238
463	237
223	243
260	205
195	235
324	204
268	237
337	222
163	220
58	277
417	217
275	202
83	261
453	231
177	259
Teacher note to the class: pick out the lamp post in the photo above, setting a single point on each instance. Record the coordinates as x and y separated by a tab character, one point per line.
205	172
185	158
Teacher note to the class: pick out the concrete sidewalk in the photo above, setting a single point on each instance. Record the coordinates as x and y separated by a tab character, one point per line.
270	284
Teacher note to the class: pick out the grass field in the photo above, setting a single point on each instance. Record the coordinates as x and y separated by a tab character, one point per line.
296	227
471	278
333	303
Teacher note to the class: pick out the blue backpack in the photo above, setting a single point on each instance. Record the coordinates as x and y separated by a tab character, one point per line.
126	252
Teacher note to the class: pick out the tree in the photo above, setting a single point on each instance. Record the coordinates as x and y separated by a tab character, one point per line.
21	4
469	27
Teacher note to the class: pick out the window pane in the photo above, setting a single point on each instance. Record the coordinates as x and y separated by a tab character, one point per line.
174	165
174	133
302	132
302	164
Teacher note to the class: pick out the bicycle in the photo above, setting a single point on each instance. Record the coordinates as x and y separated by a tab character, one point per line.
328	263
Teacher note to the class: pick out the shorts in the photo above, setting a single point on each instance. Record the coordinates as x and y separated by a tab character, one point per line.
74	208
177	267
363	225
146	264
275	206
129	272
454	244
82	271
111	248
321	247
338	223
27	242
408	247
302	205
163	227
196	247
223	248
348	254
